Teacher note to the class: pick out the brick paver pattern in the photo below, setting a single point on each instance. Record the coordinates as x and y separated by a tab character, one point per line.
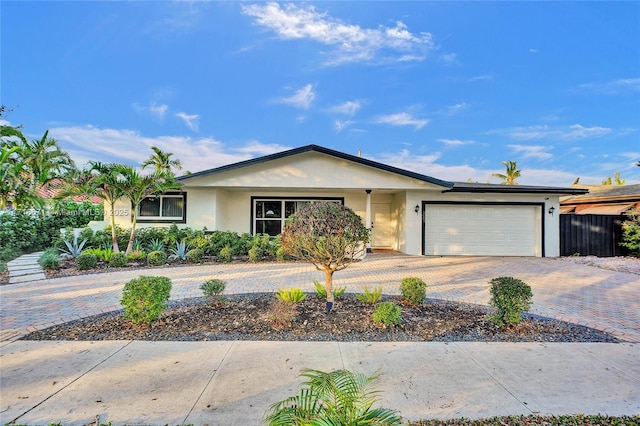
600	298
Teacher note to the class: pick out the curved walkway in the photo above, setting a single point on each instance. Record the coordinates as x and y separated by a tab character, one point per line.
234	382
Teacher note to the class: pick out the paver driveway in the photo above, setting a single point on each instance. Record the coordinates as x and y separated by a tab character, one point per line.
600	298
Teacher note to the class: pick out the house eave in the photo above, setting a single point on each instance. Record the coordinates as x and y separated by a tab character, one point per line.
513	189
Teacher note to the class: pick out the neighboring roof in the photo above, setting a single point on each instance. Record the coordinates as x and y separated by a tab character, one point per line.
607	209
322	150
605	194
520	189
50	190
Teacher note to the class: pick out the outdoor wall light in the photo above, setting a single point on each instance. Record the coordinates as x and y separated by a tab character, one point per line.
417	208
551	210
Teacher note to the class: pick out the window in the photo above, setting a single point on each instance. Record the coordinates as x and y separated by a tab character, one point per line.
269	215
163	208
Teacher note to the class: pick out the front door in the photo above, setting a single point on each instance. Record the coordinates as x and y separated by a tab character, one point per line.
382	231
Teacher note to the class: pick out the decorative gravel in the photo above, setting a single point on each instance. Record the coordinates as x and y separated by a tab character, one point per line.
250	317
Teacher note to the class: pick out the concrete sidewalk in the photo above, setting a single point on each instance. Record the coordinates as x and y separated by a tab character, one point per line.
234	382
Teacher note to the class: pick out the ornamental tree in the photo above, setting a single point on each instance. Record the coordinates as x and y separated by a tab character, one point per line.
328	235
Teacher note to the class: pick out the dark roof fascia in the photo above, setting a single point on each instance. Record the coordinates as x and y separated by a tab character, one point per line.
509	189
322	150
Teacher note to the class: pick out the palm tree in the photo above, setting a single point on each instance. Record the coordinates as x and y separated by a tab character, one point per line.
161	161
137	187
10	173
337	398
100	180
512	173
45	161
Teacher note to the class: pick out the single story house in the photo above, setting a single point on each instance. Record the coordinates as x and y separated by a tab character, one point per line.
406	211
602	200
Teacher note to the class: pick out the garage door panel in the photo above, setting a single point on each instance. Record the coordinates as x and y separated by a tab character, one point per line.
482	230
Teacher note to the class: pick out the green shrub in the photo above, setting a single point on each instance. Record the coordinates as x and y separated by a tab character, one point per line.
49	259
511	297
86	261
292	295
370	296
136	255
145	298
255	254
9	253
280	254
414	290
195	255
321	291
3	266
157	258
225	255
631	232
387	314
118	260
213	288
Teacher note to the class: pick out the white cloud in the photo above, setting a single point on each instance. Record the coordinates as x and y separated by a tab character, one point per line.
485	77
351	43
302	98
613	87
153	109
190	120
567	133
455	142
347	108
89	143
341	125
457	108
402	119
532	151
534	51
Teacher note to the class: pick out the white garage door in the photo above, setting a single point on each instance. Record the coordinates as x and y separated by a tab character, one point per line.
482	230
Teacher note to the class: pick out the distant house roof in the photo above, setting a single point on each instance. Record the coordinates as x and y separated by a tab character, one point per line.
603	199
52	189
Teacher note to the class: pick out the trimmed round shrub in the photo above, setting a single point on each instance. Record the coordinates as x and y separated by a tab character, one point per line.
118	260
157	258
145	298
414	290
50	259
225	255
213	288
86	261
195	256
255	254
511	297
387	314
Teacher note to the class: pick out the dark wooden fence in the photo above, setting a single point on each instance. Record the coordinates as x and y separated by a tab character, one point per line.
591	235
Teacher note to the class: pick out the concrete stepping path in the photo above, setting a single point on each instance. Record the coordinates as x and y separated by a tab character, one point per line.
25	268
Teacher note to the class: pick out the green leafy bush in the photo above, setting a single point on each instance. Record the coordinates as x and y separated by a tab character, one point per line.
511	297
631	232
255	254
86	261
145	298
118	260
387	314
321	291
370	296
225	255
102	255
157	258
195	255
213	288
340	397
49	259
280	254
414	290
292	295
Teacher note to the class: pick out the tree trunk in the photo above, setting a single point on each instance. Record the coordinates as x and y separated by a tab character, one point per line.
328	285
114	239
132	236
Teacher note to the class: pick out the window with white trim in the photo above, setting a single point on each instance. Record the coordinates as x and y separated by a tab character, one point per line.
269	214
165	208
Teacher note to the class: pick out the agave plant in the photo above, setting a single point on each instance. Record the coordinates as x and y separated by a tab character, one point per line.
179	251
73	248
155	245
337	398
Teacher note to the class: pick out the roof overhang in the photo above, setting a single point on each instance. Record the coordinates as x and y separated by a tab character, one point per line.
513	189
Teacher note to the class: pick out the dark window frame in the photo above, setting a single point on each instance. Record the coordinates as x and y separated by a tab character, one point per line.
160	219
283	200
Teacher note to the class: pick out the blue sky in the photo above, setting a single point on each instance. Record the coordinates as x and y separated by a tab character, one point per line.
447	89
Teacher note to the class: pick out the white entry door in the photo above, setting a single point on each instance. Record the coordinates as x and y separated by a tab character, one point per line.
382	232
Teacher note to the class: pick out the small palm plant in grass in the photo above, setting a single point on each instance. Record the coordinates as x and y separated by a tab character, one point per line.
321	291
340	397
